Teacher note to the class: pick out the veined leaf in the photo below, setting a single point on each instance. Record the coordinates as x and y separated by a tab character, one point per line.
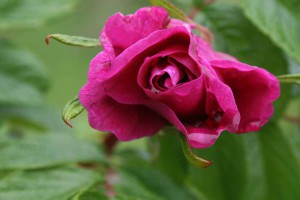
47	184
38	117
150	184
14	92
22	77
137	178
248	167
172	9
47	150
74	40
279	19
236	35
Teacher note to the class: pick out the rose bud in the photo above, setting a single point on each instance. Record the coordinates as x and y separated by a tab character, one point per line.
154	71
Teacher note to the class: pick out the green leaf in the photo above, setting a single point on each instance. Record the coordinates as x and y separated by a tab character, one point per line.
91	195
23	66
47	150
19	14
127	185
97	193
22	77
281	164
164	145
150	184
48	184
137	178
254	166
241	167
279	19
172	9
236	35
74	40
5	3
289	78
71	110
38	117
14	92
226	178
177	13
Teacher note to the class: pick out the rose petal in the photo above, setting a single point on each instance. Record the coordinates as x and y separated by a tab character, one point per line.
254	91
191	94
185	60
120	81
123	31
112	96
175	75
127	122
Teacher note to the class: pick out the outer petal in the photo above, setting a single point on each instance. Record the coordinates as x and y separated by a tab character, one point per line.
219	97
254	90
123	31
127	122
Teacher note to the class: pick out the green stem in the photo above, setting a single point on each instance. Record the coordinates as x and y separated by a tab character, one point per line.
190	156
289	78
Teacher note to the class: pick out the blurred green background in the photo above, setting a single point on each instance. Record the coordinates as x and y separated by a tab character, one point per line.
41	158
67	66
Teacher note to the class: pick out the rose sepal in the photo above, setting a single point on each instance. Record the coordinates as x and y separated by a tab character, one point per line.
191	156
179	14
71	110
289	78
74	40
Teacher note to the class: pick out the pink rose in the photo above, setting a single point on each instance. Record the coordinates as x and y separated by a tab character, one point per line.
154	70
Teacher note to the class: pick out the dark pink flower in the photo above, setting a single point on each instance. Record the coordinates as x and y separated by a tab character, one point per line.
154	70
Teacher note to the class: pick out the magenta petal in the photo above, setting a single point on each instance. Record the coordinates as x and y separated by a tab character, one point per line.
127	122
123	31
185	60
120	81
191	94
254	91
202	138
197	137
112	96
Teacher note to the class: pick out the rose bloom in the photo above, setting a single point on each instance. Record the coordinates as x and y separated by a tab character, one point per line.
154	71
